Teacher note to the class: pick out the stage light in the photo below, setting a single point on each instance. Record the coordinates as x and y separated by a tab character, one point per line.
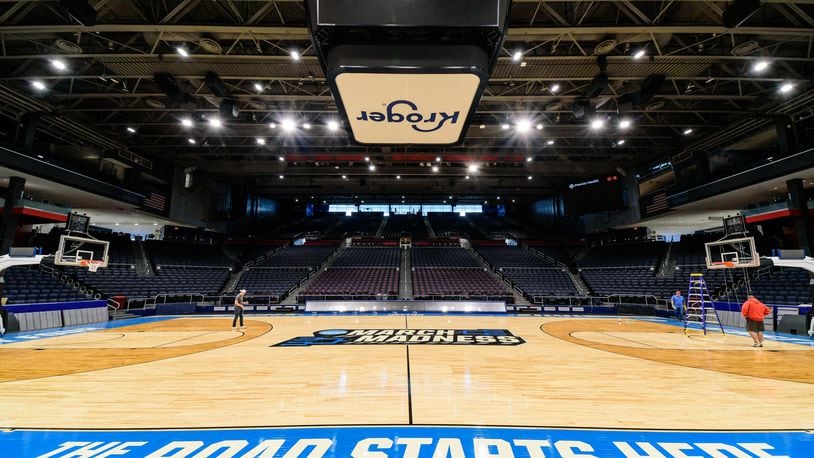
186	122
435	168
289	125
191	141
272	125
131	130
333	126
539	127
306	126
620	142
555	88
624	123
473	168
261	141
295	55
372	168
59	64
517	56
183	52
258	87
638	54
529	159
760	65
215	122
38	85
550	142
786	88
281	159
523	126
504	126
687	131
597	123
482	126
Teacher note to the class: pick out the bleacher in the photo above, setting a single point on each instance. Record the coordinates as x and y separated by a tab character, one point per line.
353	283
405	225
511	257
26	285
458	283
272	281
368	257
540	282
356	225
451	225
299	256
442	257
627	256
163	253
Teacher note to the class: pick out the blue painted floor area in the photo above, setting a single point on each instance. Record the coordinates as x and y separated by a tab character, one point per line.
56	332
405	441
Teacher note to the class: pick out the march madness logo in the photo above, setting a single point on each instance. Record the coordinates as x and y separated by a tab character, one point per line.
405	336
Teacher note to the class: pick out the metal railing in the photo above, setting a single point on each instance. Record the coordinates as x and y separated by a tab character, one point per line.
610	300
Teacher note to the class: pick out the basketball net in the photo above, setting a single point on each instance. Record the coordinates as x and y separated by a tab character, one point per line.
90	264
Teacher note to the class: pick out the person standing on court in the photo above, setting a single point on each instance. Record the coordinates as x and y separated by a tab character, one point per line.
678	304
754	311
239	304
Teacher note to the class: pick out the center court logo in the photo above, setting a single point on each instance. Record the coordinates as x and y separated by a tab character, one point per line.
405	336
420	122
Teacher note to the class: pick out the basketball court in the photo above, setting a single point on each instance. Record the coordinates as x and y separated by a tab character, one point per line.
596	376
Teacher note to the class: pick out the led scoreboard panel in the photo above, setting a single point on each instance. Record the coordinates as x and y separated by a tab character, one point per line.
592	196
78	223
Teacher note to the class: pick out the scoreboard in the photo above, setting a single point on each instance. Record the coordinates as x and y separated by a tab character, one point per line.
78	223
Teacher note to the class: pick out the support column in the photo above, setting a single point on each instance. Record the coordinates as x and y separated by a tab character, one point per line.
786	135
802	226
8	226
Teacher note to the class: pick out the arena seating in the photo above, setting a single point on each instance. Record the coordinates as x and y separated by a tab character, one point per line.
358	283
405	225
164	253
783	286
458	283
29	286
451	225
629	256
511	257
540	282
368	257
272	281
442	257
299	256
356	225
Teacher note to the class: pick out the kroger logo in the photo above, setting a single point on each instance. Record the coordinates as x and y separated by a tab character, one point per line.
421	122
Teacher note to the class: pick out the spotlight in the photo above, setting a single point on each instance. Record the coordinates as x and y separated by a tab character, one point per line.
398	177
38	85
466	177
539	127
333	126
372	168
473	168
528	177
687	131
306	126
344	177
435	169
555	88
504	126
529	159
620	142
131	130
437	158
258	87
186	122
597	123
261	141
523	126
367	159
760	65
638	54
59	64
482	126
517	56
215	122
550	142
281	159
191	141
272	125
289	125
786	88
282	176
183	52
624	123
295	55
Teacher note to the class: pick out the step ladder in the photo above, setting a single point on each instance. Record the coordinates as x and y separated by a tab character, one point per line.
700	309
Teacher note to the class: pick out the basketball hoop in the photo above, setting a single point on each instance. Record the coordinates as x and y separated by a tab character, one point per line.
723	265
91	264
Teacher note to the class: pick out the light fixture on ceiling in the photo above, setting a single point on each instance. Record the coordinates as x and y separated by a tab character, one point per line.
261	141
372	168
191	141
597	123
131	130
215	122
472	168
760	65
523	126
258	87
344	177
333	126
517	56
367	158
183	52
621	142
466	177
306	126
281	176
624	123
398	177
504	126
482	126
59	64
638	54
523	64
529	159
281	159
554	88
688	131
289	125
186	122
435	169
539	127
38	85
786	88
529	177
550	142
295	55
272	125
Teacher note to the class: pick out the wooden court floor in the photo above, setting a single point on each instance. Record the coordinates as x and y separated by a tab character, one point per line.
569	372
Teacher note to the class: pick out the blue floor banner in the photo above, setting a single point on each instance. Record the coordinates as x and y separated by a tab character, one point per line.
403	442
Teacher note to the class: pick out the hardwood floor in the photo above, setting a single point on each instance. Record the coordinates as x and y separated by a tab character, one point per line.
570	372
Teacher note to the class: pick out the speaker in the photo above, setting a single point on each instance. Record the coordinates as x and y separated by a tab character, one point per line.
213	82
167	84
228	108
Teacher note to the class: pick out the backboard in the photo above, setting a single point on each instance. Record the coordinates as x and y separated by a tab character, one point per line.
732	253
76	251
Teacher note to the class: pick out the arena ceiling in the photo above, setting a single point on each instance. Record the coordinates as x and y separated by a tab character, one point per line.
106	97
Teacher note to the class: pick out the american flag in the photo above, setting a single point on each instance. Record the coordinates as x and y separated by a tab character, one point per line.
658	202
156	201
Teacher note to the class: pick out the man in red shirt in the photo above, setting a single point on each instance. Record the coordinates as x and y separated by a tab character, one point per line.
754	311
